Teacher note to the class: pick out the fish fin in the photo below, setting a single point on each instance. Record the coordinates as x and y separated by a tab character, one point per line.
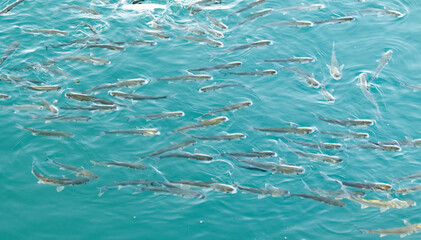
40	182
119	187
342	67
329	67
260	196
403	235
138	190
383	235
60	188
93	162
406	222
55	102
281	160
383	209
101	191
363	206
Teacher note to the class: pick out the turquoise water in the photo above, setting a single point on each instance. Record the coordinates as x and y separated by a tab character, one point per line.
38	211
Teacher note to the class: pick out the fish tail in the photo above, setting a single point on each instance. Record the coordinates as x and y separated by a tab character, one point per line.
363	231
102	190
20	126
160	173
93	162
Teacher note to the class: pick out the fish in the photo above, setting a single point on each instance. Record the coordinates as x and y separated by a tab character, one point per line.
194	156
228	136
186	193
255	15
121	83
82	9
409	142
334	68
217	67
292	60
71	42
349	122
12	79
255	73
80	172
262	192
376	146
87	59
307	77
134	96
320	145
188	28
67	118
10	6
25	106
250	5
407	190
337	194
382	63
93	30
211	31
131	165
203	40
135	42
232	107
303	8
380	11
366	185
216	186
190	77
44	88
160	115
47	31
119	185
259	154
9	51
216	22
52	133
58	72
274	167
105	46
250	45
365	88
294	129
322	199
346	134
203	123
326	94
317	156
59	182
214	87
335	20
383	204
416	87
300	23
172	147
87	98
402	231
47	105
155	33
412	176
93	107
136	131
4	96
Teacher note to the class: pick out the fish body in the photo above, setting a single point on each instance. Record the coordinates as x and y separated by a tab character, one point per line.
307	77
260	154
105	46
161	115
296	130
318	145
44	88
384	204
338	194
291	23
155	33
4	96
317	156
412	176
194	156
250	45
43	132
172	147
365	88
229	137
80	40
136	166
86	59
381	11
12	79
141	182
68	118
273	192
87	98
59	182
93	107
292	60
250	5
274	167
192	77
134	96
255	15
82	9
186	193
303	8
334	68
407	190
367	185
10	6
203	123
122	83
79	171
219	187
188	28
322	199
9	51
349	122
93	30
346	134
255	73
326	94
402	231
48	31
335	20
137	131
135	42
203	40
229	108
382	63
216	22
219	86
217	67
376	146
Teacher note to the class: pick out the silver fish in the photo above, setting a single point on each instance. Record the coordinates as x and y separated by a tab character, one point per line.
194	156
307	77
9	51
346	134
217	67
105	46
136	166
81	40
262	192
93	30
136	131
296	130
134	96
187	193
88	98
4	96
382	63
334	68
303	8
119	185
87	59
402	231
335	20
160	115
10	6
317	145
376	146
251	5
136	42
203	40
317	156
188	28
47	31
255	15
172	147
47	105
274	167
59	182
407	190
380	11
292	60
67	118
79	171
203	123
326	94
412	176
232	107
93	107
154	33
250	45
192	77
255	73
383	204
259	154
214	87
365	88
322	199
216	186
290	23
228	136
121	83
12	79
43	132
216	22
82	9
349	122
44	88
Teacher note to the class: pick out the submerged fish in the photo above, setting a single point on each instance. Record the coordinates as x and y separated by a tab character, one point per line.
121	83
43	132
82	9
187	193
376	146
250	45
12	79
290	23
322	199
81	40
79	171
93	107
303	8
402	231
216	186
203	40
214	87
228	136
68	118
87	98
349	122
119	185
255	15
380	11
274	167
10	6
203	123
160	115
47	31
59	182
255	73
134	96
407	190
307	77
346	134
296	130
4	96
135	42
9	51
194	156
172	147
366	185
47	105
259	154
334	68
317	145
190	77
263	192
317	156
382	63
136	131
365	88
412	176
292	60
250	5
87	59
232	107
326	94
136	166
106	46
335	20
44	88
217	67
188	28
93	30
155	33
338	194
383	204
216	22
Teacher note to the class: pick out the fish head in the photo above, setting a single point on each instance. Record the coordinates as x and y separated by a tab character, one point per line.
336	73
395	13
410	203
306	130
417	142
269	72
362	135
383	186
